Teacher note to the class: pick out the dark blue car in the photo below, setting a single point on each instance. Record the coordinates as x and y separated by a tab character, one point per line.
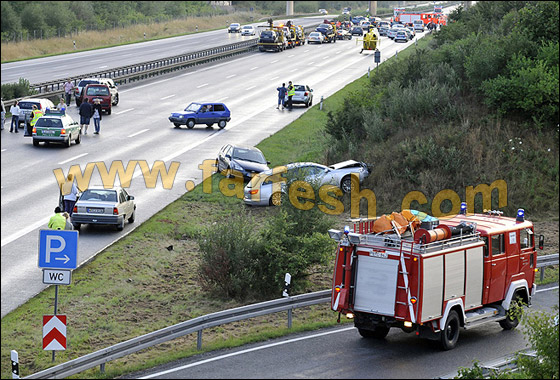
201	113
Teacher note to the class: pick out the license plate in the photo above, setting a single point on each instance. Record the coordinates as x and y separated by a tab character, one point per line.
94	210
48	132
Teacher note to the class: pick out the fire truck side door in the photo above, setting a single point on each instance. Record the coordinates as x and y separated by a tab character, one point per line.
512	252
527	254
498	268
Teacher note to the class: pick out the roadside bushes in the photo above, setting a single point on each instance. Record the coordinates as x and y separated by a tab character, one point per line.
244	259
16	90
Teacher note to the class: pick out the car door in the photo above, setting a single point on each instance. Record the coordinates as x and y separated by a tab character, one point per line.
124	203
223	160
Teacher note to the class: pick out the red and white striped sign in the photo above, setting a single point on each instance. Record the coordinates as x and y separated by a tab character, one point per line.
54	332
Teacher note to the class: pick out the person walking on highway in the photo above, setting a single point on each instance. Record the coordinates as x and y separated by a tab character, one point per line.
281	95
14	110
68	89
35	115
85	114
291	92
97	115
57	221
69	192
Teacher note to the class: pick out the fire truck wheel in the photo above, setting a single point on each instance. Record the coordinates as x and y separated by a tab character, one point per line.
380	332
512	318
450	333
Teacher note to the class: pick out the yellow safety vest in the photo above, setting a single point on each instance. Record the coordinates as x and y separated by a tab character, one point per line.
57	222
36	115
291	91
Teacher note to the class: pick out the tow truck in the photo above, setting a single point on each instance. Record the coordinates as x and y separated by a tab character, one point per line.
273	38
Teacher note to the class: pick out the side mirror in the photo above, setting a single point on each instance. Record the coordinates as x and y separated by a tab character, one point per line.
130	197
228	156
268	162
541	241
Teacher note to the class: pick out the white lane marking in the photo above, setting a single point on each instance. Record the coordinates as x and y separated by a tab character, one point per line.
230	76
290	56
293	70
544	290
146	85
182	75
120	113
271	79
102	67
167	97
250	88
305	51
326	57
256	67
277	60
73	158
245	352
137	133
222	99
3	150
310	63
202	85
25	231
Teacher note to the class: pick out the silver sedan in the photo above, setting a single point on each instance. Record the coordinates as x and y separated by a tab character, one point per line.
98	205
266	188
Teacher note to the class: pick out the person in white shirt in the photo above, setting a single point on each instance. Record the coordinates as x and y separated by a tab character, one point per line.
3	114
14	110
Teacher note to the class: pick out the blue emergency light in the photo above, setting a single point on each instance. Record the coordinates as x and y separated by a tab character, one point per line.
463	208
520	215
346	229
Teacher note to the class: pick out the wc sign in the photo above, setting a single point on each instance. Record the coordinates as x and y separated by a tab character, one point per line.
58	255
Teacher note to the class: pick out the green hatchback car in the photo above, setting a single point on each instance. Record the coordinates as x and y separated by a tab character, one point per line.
56	127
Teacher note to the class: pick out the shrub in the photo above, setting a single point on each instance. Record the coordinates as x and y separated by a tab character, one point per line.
16	90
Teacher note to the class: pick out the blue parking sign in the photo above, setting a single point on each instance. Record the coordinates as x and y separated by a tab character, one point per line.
58	249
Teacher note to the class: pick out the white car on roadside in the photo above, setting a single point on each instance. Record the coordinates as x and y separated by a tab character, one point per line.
248	30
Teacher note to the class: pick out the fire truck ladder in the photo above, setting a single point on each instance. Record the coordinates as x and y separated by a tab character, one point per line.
405	277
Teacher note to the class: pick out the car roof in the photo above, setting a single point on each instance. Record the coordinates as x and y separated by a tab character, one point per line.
101	187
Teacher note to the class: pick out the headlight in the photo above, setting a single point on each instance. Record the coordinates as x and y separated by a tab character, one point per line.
236	166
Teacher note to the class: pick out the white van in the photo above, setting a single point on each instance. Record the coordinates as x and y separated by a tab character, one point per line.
418	25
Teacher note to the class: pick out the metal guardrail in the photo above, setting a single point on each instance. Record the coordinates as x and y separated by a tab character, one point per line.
148	69
168	333
198	324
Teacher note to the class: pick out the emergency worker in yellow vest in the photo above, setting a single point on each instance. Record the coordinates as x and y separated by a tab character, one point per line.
291	92
35	115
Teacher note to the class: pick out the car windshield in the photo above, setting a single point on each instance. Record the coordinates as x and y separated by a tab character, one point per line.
193	107
248	155
84	83
247	27
48	122
234	25
325	26
97	91
99	195
314	34
268	34
299	88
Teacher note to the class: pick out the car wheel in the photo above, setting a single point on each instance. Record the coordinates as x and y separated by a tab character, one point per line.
222	124
190	124
450	333
68	142
79	139
116	100
35	142
109	111
78	103
209	124
131	219
276	199
120	226
177	125
346	184
307	105
76	226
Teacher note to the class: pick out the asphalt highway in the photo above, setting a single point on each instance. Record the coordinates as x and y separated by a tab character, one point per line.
138	129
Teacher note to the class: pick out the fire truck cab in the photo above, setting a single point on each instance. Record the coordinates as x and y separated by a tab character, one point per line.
434	278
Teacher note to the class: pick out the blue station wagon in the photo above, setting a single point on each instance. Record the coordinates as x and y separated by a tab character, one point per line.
201	113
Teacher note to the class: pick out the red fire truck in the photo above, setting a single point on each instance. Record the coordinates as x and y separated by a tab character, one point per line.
434	278
435	18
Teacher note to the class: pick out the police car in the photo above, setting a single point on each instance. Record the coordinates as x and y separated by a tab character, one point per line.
56	127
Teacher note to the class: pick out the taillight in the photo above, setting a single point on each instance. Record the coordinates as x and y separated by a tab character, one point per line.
75	209
253	192
115	211
63	131
34	130
306	93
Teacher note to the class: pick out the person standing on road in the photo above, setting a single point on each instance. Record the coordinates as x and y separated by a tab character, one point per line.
69	192
68	89
97	115
14	110
68	225
35	115
3	114
291	92
61	106
281	95
57	221
85	114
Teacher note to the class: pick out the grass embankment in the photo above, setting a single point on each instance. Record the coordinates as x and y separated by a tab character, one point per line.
138	285
91	40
